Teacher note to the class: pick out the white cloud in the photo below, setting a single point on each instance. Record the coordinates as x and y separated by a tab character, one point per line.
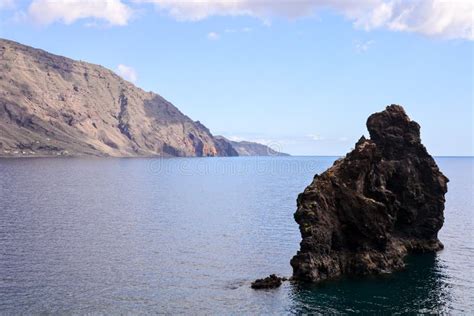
262	139
7	4
201	9
235	138
114	12
127	72
241	30
444	18
213	36
362	47
315	137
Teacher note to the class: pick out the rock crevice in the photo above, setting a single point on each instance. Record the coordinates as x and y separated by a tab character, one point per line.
123	125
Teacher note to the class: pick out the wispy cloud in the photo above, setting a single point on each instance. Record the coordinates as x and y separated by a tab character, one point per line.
113	12
7	4
241	30
448	19
286	139
363	46
312	143
315	137
444	18
213	36
261	138
235	138
127	72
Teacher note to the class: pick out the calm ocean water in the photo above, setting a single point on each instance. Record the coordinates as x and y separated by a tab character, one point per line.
189	235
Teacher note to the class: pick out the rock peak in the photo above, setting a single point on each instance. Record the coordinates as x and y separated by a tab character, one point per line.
370	209
394	132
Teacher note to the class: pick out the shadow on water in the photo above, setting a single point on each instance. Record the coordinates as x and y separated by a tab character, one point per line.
420	288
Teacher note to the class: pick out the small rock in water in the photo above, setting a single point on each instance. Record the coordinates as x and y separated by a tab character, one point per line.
269	282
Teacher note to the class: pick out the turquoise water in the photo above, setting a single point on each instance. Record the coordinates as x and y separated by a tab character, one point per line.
189	235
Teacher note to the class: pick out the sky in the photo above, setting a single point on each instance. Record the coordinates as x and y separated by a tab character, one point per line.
300	76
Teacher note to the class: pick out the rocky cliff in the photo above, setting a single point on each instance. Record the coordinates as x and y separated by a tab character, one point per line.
363	215
246	148
52	105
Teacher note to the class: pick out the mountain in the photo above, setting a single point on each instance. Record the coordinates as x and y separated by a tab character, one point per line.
245	148
52	105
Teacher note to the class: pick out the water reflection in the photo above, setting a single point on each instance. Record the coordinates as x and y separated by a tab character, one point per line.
421	288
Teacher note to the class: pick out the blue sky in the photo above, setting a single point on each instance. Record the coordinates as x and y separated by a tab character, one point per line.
300	76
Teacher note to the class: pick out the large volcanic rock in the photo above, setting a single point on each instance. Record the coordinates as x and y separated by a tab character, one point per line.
382	201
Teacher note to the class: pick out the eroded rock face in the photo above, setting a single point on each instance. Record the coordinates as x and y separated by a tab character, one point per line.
382	201
52	105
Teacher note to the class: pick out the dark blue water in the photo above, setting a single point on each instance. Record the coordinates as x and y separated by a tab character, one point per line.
189	235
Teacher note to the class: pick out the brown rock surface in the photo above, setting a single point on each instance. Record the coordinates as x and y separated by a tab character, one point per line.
382	201
270	282
52	105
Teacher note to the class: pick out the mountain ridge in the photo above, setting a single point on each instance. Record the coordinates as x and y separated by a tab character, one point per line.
248	148
52	105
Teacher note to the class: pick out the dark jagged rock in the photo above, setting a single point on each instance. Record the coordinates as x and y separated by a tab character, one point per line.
363	215
269	282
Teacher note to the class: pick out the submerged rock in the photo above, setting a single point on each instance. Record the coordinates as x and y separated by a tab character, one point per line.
382	201
269	282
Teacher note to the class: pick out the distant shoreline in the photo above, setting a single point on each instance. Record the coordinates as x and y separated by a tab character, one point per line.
171	157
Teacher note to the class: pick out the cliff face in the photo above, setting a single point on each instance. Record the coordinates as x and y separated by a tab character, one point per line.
382	201
245	148
52	105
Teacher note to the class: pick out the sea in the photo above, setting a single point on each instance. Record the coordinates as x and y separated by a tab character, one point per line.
189	235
